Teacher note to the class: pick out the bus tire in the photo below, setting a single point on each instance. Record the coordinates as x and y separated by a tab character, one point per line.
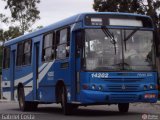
21	99
66	107
24	105
123	107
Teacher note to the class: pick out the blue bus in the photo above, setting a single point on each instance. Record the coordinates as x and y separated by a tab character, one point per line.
87	59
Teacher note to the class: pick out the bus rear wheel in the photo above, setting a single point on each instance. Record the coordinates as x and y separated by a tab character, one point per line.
24	105
123	107
66	107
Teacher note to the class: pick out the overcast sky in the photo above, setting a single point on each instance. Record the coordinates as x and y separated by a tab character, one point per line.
55	10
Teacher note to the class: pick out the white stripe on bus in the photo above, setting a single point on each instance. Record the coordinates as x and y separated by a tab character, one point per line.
29	76
42	74
41	67
7	95
23	79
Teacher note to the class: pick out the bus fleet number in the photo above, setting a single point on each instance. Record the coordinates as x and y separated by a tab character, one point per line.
99	75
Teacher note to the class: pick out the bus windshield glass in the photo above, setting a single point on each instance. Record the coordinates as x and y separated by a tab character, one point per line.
118	49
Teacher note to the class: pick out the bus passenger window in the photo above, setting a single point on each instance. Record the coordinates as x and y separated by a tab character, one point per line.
19	54
6	58
63	47
48	47
27	52
24	53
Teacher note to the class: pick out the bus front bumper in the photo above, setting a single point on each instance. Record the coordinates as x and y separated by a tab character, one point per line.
91	97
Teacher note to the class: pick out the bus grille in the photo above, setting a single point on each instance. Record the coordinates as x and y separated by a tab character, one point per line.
124	87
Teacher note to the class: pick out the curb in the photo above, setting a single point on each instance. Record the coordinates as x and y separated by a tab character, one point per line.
7	101
158	103
1	100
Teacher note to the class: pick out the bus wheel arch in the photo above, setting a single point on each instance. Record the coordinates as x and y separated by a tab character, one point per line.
21	96
23	104
20	85
59	85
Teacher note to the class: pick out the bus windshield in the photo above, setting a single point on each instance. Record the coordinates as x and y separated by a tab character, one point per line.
118	49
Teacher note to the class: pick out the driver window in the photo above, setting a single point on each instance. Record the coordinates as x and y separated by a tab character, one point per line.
138	47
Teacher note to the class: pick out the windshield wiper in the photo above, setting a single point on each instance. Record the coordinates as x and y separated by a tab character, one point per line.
109	34
123	65
129	36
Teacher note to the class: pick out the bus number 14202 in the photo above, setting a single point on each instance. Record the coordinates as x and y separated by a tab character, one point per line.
99	75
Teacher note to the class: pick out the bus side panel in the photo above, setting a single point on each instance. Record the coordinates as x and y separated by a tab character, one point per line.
24	75
64	74
46	83
48	78
6	84
46	94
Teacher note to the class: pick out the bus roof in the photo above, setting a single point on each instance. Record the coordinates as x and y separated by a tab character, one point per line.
67	21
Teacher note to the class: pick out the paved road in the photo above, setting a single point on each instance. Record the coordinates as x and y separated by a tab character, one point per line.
104	112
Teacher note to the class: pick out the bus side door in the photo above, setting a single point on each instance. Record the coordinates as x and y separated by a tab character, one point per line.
78	58
35	70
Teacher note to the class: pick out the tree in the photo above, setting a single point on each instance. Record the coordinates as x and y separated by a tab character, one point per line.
24	12
146	7
3	18
11	33
37	28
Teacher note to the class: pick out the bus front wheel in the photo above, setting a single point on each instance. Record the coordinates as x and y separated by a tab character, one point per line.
66	107
123	107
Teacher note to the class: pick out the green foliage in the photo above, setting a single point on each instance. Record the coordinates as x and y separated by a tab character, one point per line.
24	12
147	7
11	33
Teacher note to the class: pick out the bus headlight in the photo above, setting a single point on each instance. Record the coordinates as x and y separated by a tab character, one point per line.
100	88
93	87
151	86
